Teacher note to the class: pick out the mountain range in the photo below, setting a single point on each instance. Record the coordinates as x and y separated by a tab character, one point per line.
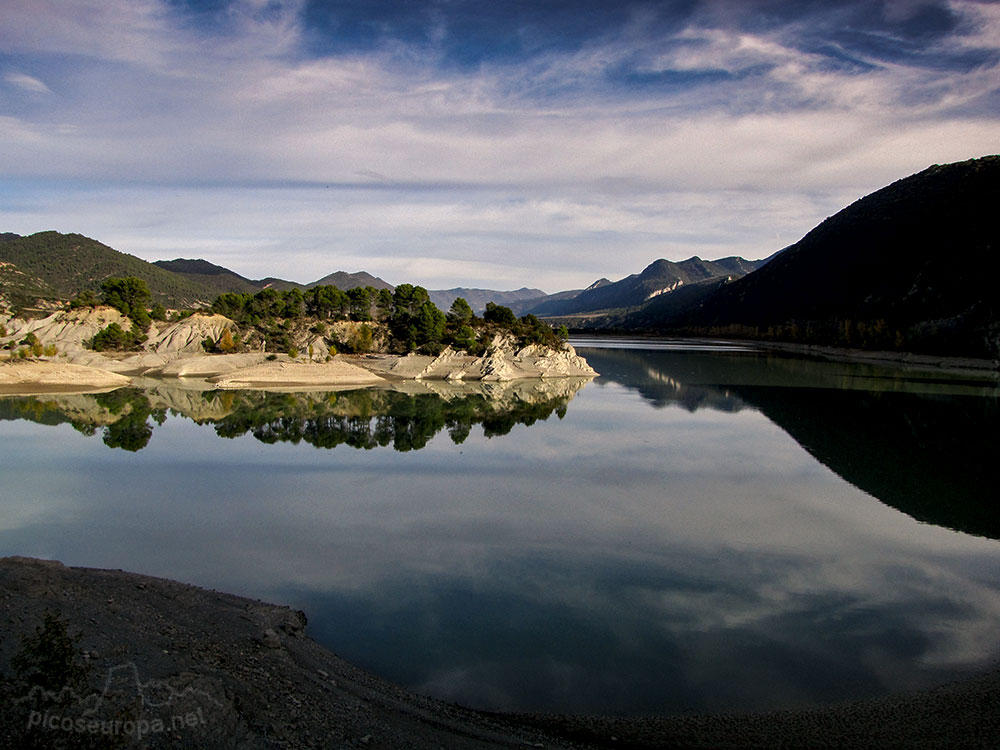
912	266
50	266
658	278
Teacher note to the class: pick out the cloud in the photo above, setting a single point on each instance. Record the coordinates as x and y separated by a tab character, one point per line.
26	82
606	120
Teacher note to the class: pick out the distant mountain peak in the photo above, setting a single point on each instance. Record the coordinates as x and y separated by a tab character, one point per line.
344	280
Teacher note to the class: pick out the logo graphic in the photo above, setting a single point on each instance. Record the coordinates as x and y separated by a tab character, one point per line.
126	705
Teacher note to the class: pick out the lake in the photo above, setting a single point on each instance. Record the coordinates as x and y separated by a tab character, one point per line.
704	527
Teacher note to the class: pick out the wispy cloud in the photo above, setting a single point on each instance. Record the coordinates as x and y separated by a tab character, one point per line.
649	108
26	82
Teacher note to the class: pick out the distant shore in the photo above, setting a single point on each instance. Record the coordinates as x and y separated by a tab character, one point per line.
864	355
249	674
834	353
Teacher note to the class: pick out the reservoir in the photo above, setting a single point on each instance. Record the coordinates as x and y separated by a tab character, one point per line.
703	527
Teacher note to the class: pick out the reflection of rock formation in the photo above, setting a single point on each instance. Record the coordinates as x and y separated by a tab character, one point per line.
406	415
923	443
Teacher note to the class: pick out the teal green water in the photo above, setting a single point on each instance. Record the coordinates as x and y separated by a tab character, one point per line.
700	528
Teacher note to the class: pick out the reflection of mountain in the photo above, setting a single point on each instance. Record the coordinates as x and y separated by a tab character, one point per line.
920	443
406	418
659	381
932	457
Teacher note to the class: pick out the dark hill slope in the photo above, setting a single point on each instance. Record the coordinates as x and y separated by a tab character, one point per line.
70	263
223	280
209	275
913	266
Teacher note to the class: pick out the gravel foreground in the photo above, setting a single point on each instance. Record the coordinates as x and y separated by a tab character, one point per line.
192	668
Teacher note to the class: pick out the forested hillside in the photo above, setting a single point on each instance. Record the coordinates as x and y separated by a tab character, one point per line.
67	264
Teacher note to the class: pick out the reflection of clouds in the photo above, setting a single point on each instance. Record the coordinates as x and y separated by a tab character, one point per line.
620	542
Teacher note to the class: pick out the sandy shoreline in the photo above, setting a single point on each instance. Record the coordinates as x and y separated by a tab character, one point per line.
27	376
251	672
92	371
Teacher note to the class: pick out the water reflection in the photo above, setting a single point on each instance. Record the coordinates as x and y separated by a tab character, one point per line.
925	443
663	546
405	418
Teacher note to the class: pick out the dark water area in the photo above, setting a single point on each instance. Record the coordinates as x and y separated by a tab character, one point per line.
701	528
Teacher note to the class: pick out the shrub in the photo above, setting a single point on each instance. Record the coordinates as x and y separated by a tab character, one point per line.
226	343
464	338
500	315
86	298
115	338
49	658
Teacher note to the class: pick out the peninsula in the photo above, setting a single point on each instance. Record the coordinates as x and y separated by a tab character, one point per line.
326	339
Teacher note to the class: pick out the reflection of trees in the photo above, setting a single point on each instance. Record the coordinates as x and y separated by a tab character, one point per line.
122	414
376	418
365	419
131	431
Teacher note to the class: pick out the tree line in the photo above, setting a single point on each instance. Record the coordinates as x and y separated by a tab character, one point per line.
406	317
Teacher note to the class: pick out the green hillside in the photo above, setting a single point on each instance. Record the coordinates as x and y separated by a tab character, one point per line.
19	290
70	263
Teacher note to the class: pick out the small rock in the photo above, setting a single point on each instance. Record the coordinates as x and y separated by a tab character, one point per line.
271	639
366	739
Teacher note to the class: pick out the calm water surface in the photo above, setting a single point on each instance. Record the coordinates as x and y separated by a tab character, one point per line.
700	528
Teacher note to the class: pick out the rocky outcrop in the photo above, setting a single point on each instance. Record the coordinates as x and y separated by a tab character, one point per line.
503	361
185	336
66	329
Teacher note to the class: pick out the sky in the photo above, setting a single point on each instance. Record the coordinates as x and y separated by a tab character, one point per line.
496	144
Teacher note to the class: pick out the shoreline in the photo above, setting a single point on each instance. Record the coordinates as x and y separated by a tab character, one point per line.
91	372
259	681
831	353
